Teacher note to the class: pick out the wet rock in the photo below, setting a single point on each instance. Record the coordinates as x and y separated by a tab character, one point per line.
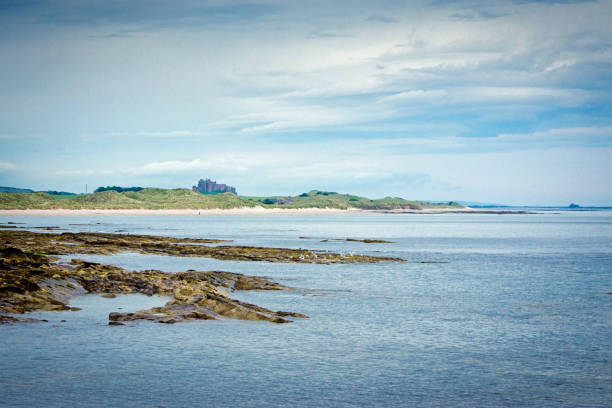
30	282
365	241
12	319
114	323
196	298
108	295
8	319
103	243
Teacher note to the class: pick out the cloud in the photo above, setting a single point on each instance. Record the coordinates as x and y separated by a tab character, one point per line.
481	100
324	34
81	173
172	166
272	115
233	163
415	95
477	14
562	97
5	166
553	1
169	134
145	14
576	135
382	19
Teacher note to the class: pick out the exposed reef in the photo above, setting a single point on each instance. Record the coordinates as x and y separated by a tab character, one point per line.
30	282
103	243
31	279
365	241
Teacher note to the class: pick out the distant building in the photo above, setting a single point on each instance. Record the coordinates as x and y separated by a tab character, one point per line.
210	186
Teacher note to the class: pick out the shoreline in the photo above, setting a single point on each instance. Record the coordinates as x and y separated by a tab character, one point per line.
243	211
175	211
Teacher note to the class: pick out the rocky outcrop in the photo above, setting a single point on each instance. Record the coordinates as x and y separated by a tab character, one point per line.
101	243
30	282
365	241
198	300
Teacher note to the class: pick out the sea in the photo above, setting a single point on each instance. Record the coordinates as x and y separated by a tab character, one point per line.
489	310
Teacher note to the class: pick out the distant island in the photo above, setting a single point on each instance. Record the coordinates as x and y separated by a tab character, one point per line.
181	198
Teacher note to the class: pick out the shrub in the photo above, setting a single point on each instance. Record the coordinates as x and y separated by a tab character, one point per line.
117	189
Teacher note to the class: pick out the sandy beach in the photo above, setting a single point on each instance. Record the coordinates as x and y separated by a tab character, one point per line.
185	212
232	211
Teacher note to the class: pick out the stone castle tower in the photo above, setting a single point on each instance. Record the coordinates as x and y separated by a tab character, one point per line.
210	186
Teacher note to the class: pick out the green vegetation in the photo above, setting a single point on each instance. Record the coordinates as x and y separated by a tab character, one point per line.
117	189
212	192
151	198
329	199
58	193
180	198
15	190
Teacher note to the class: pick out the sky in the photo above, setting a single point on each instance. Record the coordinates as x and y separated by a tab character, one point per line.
490	101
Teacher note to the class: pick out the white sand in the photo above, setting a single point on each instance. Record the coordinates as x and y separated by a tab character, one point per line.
232	211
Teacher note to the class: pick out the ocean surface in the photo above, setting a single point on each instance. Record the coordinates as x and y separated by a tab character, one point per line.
510	310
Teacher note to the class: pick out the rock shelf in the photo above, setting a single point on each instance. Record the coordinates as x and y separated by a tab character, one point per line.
104	243
31	278
31	282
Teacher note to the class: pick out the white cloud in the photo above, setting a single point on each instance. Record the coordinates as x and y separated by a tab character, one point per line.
81	173
272	115
226	163
4	166
578	134
470	95
416	95
173	166
173	133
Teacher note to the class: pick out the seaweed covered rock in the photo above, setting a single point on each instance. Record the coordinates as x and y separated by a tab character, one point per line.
104	243
30	282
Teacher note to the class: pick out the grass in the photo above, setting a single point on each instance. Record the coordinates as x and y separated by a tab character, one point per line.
157	198
326	199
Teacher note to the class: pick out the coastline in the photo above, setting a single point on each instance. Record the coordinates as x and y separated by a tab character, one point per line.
242	211
177	211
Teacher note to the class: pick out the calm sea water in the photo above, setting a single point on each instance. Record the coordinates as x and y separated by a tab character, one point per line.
517	315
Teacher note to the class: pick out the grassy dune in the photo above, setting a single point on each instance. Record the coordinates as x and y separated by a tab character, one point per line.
325	199
157	198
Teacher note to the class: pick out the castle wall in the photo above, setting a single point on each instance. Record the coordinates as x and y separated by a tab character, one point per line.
209	186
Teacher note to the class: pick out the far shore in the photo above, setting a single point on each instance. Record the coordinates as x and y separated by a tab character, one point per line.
242	211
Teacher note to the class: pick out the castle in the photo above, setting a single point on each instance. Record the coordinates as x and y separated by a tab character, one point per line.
210	186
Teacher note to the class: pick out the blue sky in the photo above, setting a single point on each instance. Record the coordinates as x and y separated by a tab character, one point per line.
496	101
